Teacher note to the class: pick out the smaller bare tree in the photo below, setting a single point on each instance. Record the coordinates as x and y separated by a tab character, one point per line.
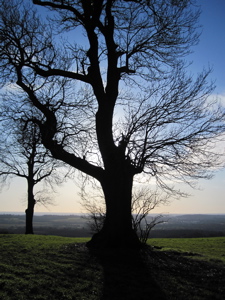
22	155
145	201
96	216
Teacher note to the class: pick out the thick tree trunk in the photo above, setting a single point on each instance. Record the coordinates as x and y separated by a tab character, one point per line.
117	230
116	182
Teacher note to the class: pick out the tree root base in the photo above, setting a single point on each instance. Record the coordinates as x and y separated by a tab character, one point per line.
104	240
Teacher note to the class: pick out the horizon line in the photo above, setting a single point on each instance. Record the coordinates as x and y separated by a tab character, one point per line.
80	213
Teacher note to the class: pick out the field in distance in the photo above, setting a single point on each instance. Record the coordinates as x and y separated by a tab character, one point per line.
77	225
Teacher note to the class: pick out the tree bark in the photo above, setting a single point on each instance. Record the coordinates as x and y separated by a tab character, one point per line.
116	184
117	231
29	221
30	208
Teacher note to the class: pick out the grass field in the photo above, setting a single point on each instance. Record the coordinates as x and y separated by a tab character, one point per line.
210	249
56	268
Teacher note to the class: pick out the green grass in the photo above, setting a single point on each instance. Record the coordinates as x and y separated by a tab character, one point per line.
56	268
210	249
36	242
39	267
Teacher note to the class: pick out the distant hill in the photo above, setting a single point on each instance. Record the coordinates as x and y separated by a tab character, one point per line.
196	225
75	225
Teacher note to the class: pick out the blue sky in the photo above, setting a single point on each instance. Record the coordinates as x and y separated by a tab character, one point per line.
211	49
210	198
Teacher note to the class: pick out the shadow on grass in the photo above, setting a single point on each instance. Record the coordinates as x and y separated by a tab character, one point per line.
73	272
127	276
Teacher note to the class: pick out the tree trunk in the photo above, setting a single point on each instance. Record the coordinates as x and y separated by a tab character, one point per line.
116	182
117	231
29	220
30	208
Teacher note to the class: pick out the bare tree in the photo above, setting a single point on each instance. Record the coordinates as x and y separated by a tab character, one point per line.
96	216
144	201
134	108
23	155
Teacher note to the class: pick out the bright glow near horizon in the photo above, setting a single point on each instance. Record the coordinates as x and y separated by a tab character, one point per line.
208	199
211	197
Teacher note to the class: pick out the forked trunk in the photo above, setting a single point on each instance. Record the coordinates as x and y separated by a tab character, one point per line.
117	181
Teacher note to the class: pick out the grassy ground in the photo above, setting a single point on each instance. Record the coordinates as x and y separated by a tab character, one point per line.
36	267
57	268
210	249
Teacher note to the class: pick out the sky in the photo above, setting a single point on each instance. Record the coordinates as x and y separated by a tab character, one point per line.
209	198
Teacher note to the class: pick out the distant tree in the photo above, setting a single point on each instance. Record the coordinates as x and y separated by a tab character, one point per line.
135	110
23	155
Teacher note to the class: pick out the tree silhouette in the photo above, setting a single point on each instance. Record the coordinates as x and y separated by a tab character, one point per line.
129	107
23	155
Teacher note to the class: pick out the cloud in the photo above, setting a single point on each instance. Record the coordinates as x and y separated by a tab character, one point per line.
220	98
